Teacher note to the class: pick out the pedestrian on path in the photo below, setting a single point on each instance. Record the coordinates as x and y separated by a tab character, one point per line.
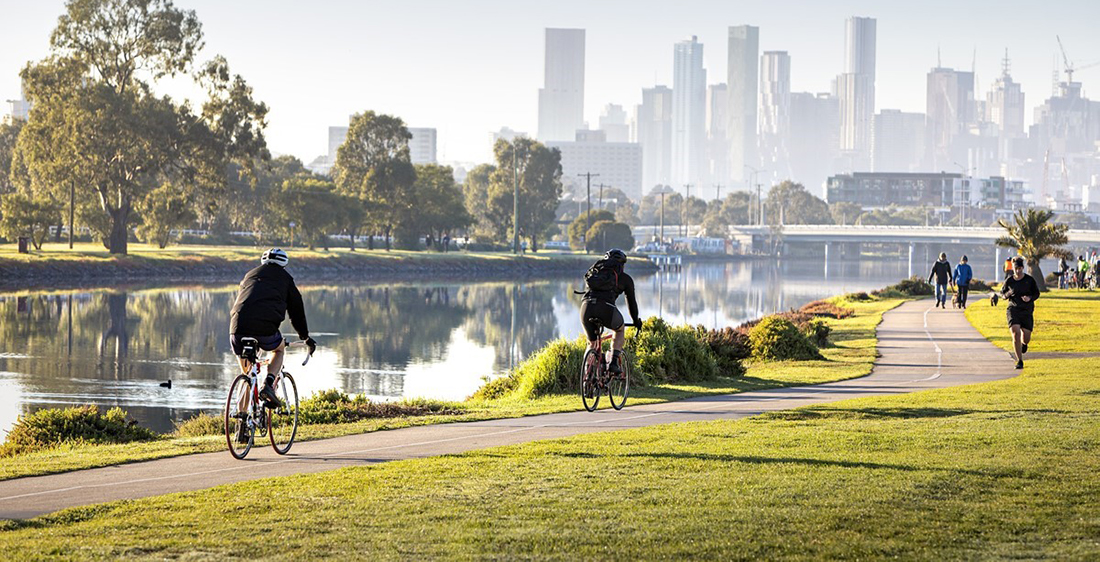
963	275
1020	291
1082	271
1063	274
941	272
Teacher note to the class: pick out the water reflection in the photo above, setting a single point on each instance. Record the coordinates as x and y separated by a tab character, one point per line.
414	339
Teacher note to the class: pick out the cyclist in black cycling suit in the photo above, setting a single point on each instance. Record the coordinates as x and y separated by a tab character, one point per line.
598	307
267	295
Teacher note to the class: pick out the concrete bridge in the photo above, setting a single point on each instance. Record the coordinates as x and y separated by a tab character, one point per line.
896	234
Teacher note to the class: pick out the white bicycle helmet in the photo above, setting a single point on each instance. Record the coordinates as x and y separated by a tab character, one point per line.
275	256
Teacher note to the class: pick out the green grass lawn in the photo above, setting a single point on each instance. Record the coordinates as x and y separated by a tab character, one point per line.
1065	321
94	252
851	354
1002	470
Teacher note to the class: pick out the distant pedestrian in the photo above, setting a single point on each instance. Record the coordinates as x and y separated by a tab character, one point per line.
1020	291
941	272
1008	268
1082	272
962	277
1063	273
446	243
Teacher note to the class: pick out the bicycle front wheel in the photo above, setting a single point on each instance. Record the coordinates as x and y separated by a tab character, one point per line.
619	385
239	433
590	372
282	422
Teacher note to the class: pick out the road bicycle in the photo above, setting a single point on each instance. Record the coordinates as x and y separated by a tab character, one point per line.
596	378
244	407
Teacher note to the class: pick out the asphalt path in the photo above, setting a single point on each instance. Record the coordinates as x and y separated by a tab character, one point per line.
920	348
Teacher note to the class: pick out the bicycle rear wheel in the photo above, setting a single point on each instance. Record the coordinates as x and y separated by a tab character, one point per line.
237	413
590	372
618	386
282	422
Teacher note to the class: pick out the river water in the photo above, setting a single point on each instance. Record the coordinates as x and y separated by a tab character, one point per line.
413	339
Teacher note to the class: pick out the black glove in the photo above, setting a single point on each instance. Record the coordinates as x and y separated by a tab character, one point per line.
311	344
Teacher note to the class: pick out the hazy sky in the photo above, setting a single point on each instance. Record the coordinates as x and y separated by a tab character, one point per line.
468	68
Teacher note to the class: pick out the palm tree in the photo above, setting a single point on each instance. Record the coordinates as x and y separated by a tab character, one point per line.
1035	238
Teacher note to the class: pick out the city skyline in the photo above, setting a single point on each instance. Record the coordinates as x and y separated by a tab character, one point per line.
336	70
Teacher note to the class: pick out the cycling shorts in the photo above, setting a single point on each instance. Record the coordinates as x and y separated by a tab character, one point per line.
595	314
267	343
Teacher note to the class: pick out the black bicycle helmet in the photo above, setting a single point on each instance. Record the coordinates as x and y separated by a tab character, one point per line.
615	255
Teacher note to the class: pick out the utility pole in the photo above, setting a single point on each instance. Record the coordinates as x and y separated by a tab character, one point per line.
760	203
683	209
717	192
588	213
601	186
515	199
662	241
72	204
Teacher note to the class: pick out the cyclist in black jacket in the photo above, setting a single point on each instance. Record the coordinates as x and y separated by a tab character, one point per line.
267	295
598	308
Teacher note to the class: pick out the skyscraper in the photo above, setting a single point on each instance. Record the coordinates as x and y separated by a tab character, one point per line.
613	123
950	111
856	90
1005	108
422	145
775	112
654	121
743	61
561	99
717	144
814	139
899	141
689	93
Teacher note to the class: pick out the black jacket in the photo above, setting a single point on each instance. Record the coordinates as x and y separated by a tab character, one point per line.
941	270
625	285
266	296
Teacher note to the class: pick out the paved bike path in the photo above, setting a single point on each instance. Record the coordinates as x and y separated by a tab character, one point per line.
921	348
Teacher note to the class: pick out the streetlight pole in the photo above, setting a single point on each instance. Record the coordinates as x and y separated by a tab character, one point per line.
717	192
601	186
588	213
515	199
683	209
759	202
72	205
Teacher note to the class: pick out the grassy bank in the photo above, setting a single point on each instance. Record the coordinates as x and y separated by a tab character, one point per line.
1065	321
1003	470
851	354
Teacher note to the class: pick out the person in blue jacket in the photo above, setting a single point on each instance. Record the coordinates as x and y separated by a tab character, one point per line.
962	277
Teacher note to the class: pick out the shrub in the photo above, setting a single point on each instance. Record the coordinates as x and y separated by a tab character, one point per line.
200	425
662	353
496	388
49	428
858	297
914	286
827	309
729	346
333	406
777	338
814	328
555	369
817	331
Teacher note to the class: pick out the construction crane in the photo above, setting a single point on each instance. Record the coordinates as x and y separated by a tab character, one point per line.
1070	68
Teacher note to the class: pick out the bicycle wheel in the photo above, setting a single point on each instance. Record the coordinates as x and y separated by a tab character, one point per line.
618	386
282	422
590	372
237	415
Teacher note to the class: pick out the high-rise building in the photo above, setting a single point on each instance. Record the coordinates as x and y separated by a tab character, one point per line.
508	135
20	108
689	96
1004	107
899	141
619	164
654	122
717	147
422	145
742	66
856	90
614	124
814	139
950	111
775	113
561	99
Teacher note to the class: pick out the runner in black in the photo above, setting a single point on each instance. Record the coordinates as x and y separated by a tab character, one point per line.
1020	291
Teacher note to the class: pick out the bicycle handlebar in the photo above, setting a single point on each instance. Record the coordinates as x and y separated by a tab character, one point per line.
309	354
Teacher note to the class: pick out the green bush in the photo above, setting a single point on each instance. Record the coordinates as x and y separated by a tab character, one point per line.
555	369
915	286
776	338
729	346
49	428
817	331
333	406
200	425
858	297
663	354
